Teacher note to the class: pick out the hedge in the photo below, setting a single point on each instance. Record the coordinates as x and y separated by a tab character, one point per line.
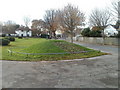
88	33
4	42
10	38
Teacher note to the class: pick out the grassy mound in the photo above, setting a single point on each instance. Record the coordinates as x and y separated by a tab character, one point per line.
45	46
36	45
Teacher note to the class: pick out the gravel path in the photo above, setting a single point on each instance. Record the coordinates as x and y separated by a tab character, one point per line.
98	72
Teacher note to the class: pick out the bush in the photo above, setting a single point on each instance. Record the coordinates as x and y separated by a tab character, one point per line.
95	33
20	37
88	33
3	35
10	38
44	36
4	42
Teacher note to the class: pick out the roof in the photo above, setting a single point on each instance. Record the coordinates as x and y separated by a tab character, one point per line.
7	32
103	27
23	28
98	28
109	27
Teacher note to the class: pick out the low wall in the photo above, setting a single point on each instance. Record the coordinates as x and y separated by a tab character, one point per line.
98	40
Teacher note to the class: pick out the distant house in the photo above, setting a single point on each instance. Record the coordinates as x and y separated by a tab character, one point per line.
23	32
8	33
110	31
58	33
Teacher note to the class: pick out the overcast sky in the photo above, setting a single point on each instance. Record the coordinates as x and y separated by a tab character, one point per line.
15	10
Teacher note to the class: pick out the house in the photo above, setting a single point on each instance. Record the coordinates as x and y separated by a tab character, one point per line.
110	31
7	32
23	32
58	33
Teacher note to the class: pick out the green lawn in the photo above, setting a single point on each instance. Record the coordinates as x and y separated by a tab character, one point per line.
37	45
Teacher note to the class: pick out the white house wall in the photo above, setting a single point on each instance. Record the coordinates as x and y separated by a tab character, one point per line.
30	33
24	33
110	31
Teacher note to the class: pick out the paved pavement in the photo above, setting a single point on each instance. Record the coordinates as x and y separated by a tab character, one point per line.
98	72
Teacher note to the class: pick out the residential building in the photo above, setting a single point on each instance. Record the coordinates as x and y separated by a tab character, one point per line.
23	32
110	31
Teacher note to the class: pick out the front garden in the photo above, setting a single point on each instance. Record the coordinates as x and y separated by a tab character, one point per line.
37	49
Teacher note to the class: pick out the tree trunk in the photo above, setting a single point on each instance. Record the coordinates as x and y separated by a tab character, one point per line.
54	34
71	37
103	38
50	33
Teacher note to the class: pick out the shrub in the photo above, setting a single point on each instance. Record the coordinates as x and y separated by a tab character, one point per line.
3	35
20	37
4	42
10	38
86	32
95	33
44	36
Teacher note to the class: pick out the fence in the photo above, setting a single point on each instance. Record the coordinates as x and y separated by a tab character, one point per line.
98	40
11	53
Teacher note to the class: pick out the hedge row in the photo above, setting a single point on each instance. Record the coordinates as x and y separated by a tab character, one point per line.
6	41
88	33
10	38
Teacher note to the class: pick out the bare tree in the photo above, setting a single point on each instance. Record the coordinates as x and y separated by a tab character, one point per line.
99	17
9	27
70	18
26	20
50	20
116	8
116	12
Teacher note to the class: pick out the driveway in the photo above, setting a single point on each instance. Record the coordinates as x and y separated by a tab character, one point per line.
97	72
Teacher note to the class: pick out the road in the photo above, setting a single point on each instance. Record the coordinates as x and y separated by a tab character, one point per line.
97	72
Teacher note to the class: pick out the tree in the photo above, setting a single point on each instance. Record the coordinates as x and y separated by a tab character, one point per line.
86	32
37	26
50	19
26	20
91	33
116	9
99	17
10	27
118	24
116	12
70	18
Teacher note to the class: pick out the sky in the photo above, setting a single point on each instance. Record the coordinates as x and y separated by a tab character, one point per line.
16	10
